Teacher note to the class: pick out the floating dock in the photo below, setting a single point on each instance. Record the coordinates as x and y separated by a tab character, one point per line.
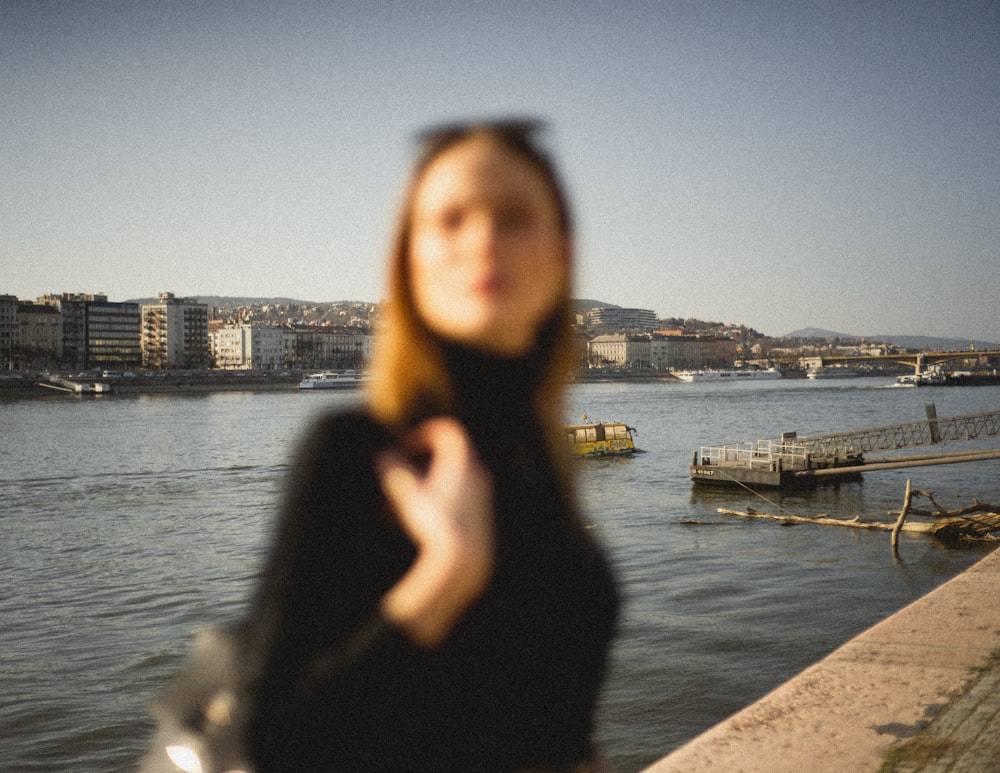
802	461
76	387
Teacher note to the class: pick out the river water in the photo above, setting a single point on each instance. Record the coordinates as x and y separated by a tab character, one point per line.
127	523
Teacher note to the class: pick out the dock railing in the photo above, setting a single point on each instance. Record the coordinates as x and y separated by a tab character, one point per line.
760	454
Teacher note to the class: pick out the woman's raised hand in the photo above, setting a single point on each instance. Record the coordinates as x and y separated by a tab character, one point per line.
447	510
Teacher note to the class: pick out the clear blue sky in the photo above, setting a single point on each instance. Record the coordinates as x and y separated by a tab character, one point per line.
775	164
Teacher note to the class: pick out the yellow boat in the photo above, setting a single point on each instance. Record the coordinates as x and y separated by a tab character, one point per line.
610	438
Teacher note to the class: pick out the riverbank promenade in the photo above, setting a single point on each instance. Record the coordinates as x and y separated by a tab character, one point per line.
917	693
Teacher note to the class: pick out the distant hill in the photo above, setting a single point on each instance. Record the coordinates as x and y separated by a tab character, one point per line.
815	332
583	305
907	342
931	343
580	305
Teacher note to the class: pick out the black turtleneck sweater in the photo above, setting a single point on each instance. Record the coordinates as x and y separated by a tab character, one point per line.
514	684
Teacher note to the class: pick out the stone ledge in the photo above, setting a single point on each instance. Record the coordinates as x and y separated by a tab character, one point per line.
877	691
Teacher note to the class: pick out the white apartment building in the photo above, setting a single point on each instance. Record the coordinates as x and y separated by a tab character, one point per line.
249	347
618	349
175	333
623	319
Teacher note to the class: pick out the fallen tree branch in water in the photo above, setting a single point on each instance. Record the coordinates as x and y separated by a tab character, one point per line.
974	522
826	520
907	499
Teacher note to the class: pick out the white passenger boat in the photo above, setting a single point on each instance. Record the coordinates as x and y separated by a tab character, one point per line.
726	375
832	372
334	380
933	376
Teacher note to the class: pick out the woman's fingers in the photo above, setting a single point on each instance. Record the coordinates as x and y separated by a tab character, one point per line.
397	476
452	498
447	510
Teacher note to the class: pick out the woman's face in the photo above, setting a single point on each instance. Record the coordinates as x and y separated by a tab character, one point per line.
488	258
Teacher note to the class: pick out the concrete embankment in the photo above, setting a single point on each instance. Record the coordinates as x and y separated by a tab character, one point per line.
913	693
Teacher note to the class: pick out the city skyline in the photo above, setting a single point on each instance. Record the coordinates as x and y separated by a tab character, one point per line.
232	303
772	165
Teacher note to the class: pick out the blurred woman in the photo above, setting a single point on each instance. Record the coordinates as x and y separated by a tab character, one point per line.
432	600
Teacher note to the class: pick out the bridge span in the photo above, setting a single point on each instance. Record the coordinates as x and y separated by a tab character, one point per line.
919	360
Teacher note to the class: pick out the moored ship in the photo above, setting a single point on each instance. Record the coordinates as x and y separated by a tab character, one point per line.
832	372
726	375
333	380
932	376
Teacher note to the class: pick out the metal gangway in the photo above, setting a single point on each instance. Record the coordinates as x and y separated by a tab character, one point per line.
791	452
906	435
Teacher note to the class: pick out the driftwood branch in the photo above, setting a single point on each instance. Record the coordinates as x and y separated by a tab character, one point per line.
976	521
940	512
907	499
826	520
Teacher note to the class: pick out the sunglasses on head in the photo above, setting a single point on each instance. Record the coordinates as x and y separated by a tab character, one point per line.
520	132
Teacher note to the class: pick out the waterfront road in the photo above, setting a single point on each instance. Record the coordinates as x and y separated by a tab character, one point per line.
917	693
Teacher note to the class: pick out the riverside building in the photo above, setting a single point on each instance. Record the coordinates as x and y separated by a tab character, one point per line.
312	348
243	346
623	319
662	352
113	335
619	349
175	333
40	330
73	311
691	352
10	335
